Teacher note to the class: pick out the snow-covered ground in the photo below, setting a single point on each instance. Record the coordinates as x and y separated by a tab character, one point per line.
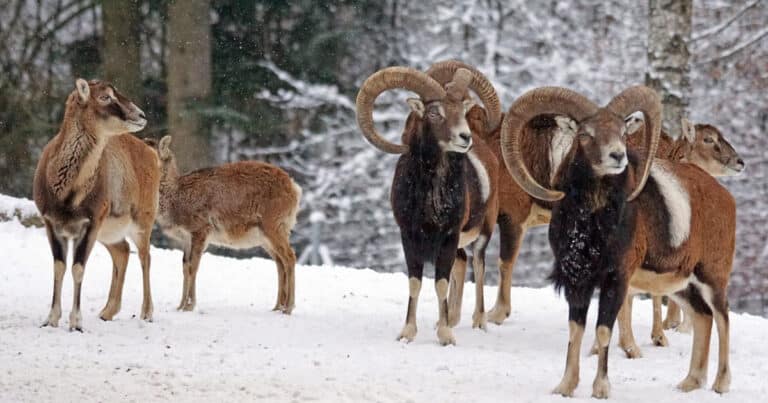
338	346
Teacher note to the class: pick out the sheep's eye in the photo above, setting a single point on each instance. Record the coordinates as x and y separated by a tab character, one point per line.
708	140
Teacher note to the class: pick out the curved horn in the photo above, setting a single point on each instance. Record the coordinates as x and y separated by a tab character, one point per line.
387	79
647	101
443	72
545	100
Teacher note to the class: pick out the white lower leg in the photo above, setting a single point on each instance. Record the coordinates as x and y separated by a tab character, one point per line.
571	375
409	330
601	387
444	332
75	317
54	315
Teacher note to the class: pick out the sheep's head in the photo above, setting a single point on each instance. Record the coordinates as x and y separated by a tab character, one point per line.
439	111
600	131
104	109
711	151
702	145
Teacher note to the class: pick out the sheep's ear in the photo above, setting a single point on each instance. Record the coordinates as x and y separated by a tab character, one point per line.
468	104
416	106
567	125
689	130
83	90
634	122
164	147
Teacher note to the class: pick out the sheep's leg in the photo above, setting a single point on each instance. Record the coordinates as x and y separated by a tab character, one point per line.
686	325
287	266
83	247
185	269
478	265
613	293
196	252
59	252
415	271
456	294
119	252
443	264
279	303
142	244
673	315
626	335
511	237
702	331
657	332
720	310
577	318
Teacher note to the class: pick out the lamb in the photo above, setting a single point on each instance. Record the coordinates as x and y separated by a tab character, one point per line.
95	181
616	229
237	205
444	188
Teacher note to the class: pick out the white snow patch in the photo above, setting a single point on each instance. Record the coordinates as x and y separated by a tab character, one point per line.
338	346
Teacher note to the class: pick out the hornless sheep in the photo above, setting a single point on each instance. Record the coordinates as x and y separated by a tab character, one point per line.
95	182
444	187
704	146
673	236
238	205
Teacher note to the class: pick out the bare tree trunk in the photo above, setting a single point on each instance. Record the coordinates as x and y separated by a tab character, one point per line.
189	80
669	30
122	46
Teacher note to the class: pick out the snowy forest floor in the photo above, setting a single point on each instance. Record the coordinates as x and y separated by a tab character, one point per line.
338	346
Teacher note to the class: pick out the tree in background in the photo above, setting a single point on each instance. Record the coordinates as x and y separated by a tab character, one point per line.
669	31
121	28
189	80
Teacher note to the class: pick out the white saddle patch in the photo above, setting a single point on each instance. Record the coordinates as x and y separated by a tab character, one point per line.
482	175
677	201
562	140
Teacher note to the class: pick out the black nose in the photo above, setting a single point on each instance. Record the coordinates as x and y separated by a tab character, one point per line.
141	115
618	156
740	161
466	136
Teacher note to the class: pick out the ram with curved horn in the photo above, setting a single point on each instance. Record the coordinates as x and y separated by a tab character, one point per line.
444	188
622	222
545	140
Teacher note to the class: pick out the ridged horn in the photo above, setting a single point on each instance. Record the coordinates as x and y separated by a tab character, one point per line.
386	79
443	72
644	99
540	101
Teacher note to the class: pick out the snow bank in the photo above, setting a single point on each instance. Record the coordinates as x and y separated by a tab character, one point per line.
338	346
23	210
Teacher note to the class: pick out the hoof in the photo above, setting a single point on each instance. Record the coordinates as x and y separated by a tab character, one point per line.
565	388
691	383
601	388
408	333
722	383
287	310
52	321
632	351
75	321
445	336
479	321
498	314
670	324
107	314
660	340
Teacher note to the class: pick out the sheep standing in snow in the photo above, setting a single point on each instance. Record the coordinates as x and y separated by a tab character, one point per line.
238	205
444	187
614	228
